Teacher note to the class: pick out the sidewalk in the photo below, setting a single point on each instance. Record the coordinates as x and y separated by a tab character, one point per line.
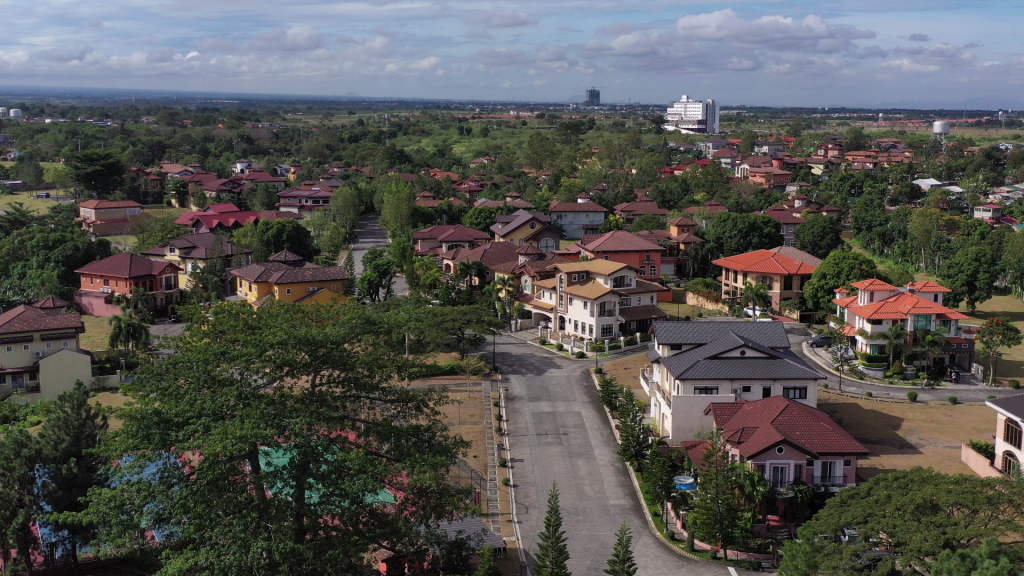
818	355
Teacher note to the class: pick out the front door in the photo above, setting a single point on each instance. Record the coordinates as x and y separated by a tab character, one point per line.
780	477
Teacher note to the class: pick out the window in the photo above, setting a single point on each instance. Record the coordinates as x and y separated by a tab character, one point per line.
575	278
760	469
561	300
1009	464
795	392
591	330
25	347
1012	433
520	242
172	250
334	287
576	326
652	298
675	346
780	477
787	283
533	225
570	300
798	472
605	257
745	389
561	281
10	349
65	344
49	345
106	282
288	291
606	330
643	270
586	305
705	390
311	288
780	450
766	391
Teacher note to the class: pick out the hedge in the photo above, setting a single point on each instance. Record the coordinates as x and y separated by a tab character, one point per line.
874	358
614	347
645	337
431	370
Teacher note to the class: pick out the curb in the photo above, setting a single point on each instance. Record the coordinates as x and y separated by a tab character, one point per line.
894	401
570	357
643	505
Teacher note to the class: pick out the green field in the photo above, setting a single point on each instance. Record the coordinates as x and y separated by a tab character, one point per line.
48	168
25	198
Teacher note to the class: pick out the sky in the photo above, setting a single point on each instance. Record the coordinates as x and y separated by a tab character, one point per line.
779	53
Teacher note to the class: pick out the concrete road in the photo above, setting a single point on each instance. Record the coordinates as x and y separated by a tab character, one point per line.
559	433
369	234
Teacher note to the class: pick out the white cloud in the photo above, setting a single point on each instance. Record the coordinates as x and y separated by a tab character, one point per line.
295	39
501	20
919	38
907	65
772	32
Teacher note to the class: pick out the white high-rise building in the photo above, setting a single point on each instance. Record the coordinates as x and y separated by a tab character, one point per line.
693	116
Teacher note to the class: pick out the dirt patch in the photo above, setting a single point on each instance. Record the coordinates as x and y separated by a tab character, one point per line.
627	372
901	436
465	415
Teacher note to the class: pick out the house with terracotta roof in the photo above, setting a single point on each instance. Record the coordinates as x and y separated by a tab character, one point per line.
746	163
39	351
788	443
493	255
525	228
192	252
643	207
916	307
305	200
784	270
109	217
513	200
642	254
788	222
288	278
437	240
596	300
696	364
584	216
706	212
532	266
770	176
428	200
121	274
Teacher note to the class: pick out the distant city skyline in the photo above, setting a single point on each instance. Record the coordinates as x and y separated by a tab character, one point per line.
869	53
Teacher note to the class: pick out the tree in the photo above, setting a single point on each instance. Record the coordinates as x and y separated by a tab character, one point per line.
795	128
855	139
19	497
152	230
456	328
552	557
178	187
659	474
31	171
273	236
989	559
262	197
487	567
994	334
207	282
1013	263
922	513
837	270
349	284
481	218
971	274
895	339
67	441
302	402
758	294
541	153
128	333
377	282
747	140
925	232
634	437
731	234
612	223
622	562
648	222
716	515
819	235
136	303
98	172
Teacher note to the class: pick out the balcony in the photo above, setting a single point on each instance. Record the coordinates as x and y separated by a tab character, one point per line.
782	485
830	480
647	380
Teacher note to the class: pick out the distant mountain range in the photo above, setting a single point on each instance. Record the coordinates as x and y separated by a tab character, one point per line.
992	103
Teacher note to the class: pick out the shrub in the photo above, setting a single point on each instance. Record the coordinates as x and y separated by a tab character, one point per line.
986	449
614	347
645	337
630	340
676	285
503	462
689	539
912	396
808	325
168	202
700	314
497	416
496	403
542	341
432	370
497	429
825	385
581	354
1015	384
868	394
687	318
952	399
505	481
991	396
888	374
596	347
874	358
598	370
559	347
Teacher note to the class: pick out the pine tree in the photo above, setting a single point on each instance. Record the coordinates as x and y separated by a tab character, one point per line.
716	515
66	441
19	499
633	436
609	392
552	552
622	562
487	566
349	284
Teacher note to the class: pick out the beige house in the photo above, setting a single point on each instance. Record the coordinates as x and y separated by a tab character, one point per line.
193	251
1009	432
785	270
39	352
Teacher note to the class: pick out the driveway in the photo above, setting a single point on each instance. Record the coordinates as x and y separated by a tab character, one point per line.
370	234
162	328
559	433
963	392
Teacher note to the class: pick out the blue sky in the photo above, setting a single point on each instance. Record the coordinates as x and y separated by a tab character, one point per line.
791	52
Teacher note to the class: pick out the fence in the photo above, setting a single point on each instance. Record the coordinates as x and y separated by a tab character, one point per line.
464	472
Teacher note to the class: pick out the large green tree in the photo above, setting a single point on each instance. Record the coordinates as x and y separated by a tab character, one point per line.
819	235
634	436
989	559
98	172
273	236
377	282
993	335
552	558
837	270
276	441
919	512
731	234
153	230
19	495
971	274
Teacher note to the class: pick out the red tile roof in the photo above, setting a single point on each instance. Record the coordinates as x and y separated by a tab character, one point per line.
491	254
753	427
927	287
32	319
769	262
873	285
126	265
557	206
451	233
900	306
621	241
107	204
681	221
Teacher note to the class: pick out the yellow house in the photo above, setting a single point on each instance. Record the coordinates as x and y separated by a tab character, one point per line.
195	251
39	353
524	228
286	277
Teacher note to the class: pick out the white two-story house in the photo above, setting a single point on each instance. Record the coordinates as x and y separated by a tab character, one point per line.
584	216
917	307
696	364
1009	432
596	300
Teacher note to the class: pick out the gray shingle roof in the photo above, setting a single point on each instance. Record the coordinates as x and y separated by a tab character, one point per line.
1012	404
770	334
708	363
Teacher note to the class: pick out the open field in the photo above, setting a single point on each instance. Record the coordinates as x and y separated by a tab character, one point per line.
901	436
48	168
31	204
1011	365
110	400
97	333
627	372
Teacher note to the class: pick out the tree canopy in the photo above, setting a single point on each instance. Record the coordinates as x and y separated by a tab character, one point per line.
837	270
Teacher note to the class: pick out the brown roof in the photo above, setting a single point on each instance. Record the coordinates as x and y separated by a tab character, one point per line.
491	254
285	256
589	289
51	303
557	206
106	204
774	261
278	273
126	265
645	312
681	221
621	241
199	246
596	266
31	319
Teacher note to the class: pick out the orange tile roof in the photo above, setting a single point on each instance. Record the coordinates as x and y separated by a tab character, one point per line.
845	302
901	305
927	287
873	285
765	262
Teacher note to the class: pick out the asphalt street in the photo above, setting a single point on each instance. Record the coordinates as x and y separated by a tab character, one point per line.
369	234
559	433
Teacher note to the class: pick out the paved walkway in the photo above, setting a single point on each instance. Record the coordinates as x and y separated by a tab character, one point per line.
370	234
559	433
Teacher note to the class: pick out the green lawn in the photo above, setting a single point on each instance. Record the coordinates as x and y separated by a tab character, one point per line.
97	333
1011	365
48	168
25	198
124	240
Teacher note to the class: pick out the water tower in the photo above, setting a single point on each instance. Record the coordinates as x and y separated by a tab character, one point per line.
940	129
16	114
3	112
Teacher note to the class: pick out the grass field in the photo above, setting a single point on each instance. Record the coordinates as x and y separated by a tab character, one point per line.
627	372
48	168
901	436
97	333
1011	365
25	198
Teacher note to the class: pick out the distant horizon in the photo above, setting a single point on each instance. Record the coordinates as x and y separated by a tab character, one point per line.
868	54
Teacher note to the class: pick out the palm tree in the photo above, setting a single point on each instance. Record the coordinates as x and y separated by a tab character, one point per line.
135	304
128	334
934	343
753	490
756	294
505	289
895	340
474	270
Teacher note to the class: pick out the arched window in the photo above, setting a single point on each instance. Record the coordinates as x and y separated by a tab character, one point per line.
547	245
1010	464
643	270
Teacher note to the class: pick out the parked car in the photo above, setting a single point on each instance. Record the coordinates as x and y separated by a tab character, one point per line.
43	195
820	341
